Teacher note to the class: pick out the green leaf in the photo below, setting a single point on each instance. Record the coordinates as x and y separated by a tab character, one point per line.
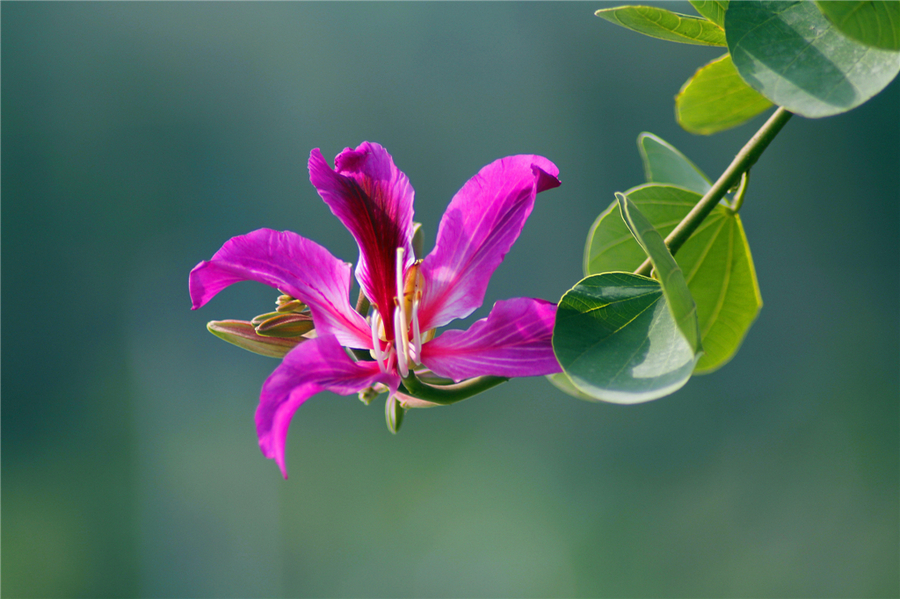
617	341
561	381
668	272
871	23
791	54
712	10
716	261
665	24
716	99
665	164
723	275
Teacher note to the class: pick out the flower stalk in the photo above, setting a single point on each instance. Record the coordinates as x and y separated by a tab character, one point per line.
446	395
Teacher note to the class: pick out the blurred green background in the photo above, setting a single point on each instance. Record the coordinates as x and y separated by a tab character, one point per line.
137	138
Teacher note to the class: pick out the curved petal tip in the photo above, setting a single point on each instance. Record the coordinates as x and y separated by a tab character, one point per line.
547	178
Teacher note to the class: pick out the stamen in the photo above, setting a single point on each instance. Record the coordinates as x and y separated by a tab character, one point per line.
376	342
401	327
417	334
401	342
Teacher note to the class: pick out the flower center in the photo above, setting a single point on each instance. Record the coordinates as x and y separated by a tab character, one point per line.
406	321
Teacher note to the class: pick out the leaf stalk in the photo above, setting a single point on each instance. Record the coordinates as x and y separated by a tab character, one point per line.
741	192
745	159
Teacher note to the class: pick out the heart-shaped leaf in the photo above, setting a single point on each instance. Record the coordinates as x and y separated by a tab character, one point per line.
665	24
663	163
791	54
712	10
617	341
871	23
716	99
716	261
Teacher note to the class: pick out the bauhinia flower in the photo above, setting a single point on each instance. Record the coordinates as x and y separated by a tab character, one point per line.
392	345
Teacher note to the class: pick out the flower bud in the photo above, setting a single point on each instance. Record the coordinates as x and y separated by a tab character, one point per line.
257	320
284	325
286	303
393	414
243	334
367	395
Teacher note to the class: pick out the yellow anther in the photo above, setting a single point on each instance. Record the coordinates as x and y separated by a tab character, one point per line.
412	288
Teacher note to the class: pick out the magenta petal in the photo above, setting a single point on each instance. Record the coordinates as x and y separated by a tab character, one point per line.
481	223
320	364
374	200
514	340
297	266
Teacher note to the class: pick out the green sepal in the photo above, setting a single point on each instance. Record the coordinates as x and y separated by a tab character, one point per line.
242	334
715	98
665	24
430	378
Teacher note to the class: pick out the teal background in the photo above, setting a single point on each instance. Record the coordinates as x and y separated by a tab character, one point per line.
138	137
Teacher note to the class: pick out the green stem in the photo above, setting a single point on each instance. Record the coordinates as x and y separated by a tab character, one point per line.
746	158
448	394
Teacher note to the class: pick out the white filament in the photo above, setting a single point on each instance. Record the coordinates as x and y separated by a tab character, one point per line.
401	342
401	327
417	334
376	342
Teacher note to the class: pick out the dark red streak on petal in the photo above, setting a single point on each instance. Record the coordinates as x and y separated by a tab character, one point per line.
378	238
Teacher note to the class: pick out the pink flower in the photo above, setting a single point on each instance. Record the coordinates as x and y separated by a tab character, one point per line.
409	298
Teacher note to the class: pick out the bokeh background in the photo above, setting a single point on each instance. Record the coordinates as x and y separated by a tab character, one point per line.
137	138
